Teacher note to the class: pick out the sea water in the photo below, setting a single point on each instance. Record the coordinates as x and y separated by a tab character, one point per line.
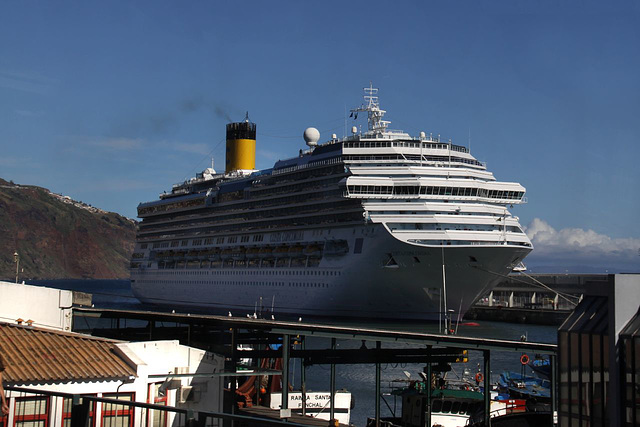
357	379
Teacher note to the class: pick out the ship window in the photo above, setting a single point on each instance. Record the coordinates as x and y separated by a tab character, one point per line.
143	246
437	406
220	240
455	408
184	243
358	246
446	406
244	239
175	243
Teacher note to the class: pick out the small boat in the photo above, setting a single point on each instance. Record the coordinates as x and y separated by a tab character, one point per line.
313	251
296	251
281	251
336	247
226	253
238	254
214	254
525	387
542	367
265	252
253	253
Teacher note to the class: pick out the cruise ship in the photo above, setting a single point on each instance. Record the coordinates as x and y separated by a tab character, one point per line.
377	224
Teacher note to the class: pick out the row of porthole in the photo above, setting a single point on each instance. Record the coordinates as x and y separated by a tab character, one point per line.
238	283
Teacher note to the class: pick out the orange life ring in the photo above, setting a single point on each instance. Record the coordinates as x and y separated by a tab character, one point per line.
479	377
524	359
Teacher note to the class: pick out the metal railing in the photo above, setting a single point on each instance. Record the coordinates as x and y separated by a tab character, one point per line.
43	408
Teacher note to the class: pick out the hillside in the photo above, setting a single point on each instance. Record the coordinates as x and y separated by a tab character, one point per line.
58	237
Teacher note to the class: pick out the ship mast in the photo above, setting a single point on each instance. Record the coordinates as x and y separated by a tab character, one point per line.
371	106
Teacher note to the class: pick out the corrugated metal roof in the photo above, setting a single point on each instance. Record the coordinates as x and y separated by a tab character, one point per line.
36	356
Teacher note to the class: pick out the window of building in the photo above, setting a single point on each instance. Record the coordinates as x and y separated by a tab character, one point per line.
114	415
157	418
31	412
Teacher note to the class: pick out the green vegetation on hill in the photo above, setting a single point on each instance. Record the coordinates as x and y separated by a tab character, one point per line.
57	237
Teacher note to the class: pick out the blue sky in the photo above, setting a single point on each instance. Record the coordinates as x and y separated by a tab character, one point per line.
113	102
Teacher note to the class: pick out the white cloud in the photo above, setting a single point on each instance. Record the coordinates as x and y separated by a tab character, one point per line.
570	247
26	81
126	144
197	148
9	161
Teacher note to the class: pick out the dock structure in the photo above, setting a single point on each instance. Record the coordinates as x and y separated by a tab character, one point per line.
224	334
546	291
545	299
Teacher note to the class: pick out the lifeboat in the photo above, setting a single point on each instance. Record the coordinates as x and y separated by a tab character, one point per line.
336	247
226	253
203	254
192	253
313	250
238	253
265	252
253	253
296	251
281	251
214	254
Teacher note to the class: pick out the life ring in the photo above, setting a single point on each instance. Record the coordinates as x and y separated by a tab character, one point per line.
524	359
479	377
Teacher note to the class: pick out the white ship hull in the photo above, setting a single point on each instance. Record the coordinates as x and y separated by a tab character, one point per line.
360	285
377	225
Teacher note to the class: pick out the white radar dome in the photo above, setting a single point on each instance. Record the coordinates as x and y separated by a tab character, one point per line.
311	136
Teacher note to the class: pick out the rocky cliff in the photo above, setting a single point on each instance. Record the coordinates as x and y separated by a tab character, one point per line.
57	237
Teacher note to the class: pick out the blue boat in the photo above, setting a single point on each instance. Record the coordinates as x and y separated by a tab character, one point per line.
542	367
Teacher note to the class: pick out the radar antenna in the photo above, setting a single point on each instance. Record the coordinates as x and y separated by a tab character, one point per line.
372	108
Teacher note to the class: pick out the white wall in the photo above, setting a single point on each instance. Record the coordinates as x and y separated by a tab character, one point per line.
148	358
48	308
169	357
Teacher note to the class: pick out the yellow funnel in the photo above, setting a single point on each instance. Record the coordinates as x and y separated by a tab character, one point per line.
241	146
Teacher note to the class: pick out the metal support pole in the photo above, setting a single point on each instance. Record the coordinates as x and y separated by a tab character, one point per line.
234	366
554	390
303	379
286	341
487	387
378	346
332	398
428	415
80	411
